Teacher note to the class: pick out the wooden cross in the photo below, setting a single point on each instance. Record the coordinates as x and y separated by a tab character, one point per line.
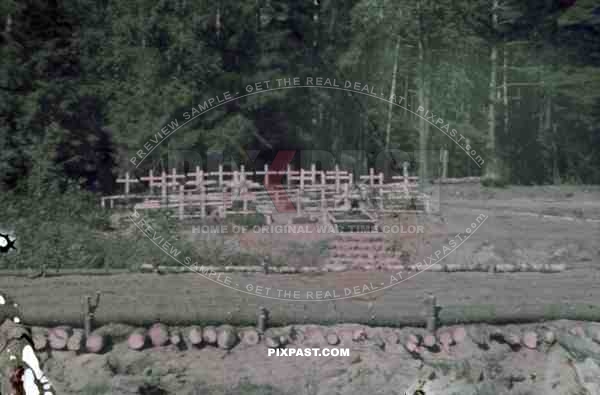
151	179
174	176
127	181
198	180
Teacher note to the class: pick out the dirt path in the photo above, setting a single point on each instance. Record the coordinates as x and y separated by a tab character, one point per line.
188	298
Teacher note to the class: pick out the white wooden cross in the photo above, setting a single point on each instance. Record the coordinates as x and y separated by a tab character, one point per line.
127	181
151	180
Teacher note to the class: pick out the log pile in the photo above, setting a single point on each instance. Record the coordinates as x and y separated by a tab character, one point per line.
419	343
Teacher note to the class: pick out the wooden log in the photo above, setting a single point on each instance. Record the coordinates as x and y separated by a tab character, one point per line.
95	343
58	337
332	339
549	338
429	341
175	338
76	340
158	334
272	341
412	338
359	335
195	336
459	334
284	340
227	337
513	339
446	340
250	337
412	348
40	338
209	335
530	340
479	335
137	340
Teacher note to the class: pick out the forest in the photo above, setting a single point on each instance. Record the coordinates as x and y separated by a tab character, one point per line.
85	84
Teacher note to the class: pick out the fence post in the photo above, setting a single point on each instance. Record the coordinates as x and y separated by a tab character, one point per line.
266	175
224	204
346	195
89	311
444	164
235	185
288	176
181	201
323	206
405	177
313	174
337	179
371	174
202	201
431	313
298	203
163	186
220	175
174	176
151	179
301	179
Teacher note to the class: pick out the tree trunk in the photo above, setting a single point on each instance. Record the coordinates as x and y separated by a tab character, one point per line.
388	128
555	171
505	94
505	88
548	135
406	113
491	170
423	101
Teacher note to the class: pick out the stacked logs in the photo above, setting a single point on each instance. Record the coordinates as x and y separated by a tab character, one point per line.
158	335
64	338
418	342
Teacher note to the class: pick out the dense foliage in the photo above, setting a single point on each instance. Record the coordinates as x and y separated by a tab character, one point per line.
84	84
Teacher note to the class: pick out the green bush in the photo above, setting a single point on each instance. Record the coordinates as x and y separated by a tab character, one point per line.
68	229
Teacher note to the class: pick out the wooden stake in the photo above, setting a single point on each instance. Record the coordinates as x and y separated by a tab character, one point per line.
181	201
266	175
431	313
89	310
261	322
163	187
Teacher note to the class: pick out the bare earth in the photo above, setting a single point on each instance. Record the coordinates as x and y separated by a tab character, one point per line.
538	224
